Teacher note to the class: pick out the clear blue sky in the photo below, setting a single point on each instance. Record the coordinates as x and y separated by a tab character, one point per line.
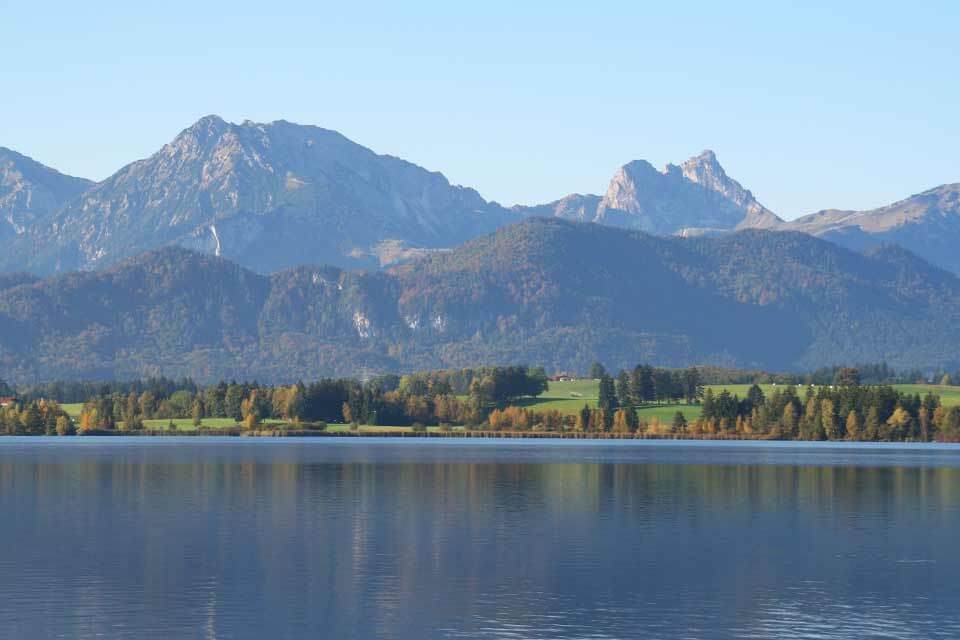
808	104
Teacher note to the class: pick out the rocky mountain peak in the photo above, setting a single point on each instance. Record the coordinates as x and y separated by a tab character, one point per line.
270	195
697	195
705	170
30	192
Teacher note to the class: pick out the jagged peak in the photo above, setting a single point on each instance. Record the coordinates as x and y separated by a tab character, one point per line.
705	164
705	156
207	128
211	120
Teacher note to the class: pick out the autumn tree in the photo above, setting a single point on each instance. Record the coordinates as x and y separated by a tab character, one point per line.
854	426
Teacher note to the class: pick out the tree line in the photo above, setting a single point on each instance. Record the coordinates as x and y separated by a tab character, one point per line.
496	398
35	418
459	397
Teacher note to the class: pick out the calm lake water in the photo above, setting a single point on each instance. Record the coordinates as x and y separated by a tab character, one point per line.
216	538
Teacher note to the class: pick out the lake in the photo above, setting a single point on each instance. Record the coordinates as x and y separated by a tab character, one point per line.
327	538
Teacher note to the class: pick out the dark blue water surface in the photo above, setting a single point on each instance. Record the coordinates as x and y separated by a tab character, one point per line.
323	538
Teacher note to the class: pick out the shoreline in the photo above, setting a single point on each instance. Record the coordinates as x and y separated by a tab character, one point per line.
279	434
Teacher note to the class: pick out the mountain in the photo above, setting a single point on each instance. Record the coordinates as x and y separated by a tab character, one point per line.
31	193
927	224
695	198
544	291
268	196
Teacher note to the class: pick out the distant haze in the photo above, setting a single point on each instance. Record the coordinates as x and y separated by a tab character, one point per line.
819	106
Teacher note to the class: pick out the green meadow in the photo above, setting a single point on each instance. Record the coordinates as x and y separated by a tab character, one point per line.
569	397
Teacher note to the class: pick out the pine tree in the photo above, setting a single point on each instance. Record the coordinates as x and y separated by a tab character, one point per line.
692	385
624	395
32	420
597	371
583	419
679	422
755	397
607	400
709	410
648	391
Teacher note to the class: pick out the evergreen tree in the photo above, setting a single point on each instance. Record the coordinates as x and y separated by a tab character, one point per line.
583	419
636	388
663	385
648	391
607	400
32	420
233	400
679	422
624	395
597	371
709	410
755	398
692	385
847	377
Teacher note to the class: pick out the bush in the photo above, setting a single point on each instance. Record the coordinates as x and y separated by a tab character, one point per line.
419	427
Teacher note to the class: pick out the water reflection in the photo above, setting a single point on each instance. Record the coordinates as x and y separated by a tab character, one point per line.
402	540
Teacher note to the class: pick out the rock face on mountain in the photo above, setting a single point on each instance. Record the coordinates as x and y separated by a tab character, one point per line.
695	198
927	224
763	299
273	196
269	196
31	193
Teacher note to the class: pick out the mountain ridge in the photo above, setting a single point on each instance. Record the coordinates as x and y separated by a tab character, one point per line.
754	298
927	223
271	195
31	192
274	195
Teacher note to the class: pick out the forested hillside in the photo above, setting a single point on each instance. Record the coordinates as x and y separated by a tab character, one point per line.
546	292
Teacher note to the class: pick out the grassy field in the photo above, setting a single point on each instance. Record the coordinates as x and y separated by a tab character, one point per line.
73	409
949	396
569	397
